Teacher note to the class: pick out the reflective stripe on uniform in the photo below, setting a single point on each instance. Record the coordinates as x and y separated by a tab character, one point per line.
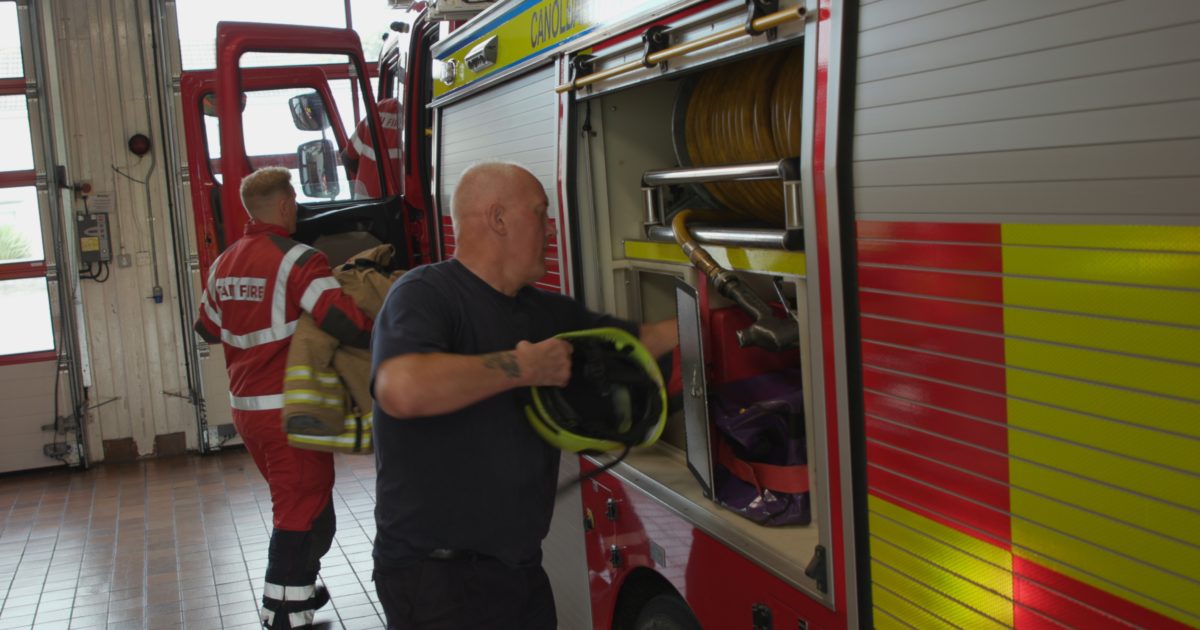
280	328
306	373
295	620
256	403
279	300
314	291
210	306
214	314
311	397
363	149
259	337
288	593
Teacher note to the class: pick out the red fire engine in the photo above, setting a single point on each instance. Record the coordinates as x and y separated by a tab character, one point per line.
949	250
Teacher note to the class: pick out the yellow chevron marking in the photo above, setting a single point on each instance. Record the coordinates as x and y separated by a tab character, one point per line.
1079	507
1152	305
1164	342
1117	437
1103	367
1124	265
1119	404
1119	575
1180	488
899	608
1124	237
964	580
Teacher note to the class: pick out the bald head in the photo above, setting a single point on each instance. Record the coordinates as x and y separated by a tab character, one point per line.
500	224
482	186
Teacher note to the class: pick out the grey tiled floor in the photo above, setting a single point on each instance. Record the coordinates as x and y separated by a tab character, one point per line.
167	543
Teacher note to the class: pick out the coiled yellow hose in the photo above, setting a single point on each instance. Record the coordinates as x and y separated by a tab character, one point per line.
747	111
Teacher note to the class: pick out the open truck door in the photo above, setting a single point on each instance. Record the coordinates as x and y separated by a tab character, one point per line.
265	89
334	216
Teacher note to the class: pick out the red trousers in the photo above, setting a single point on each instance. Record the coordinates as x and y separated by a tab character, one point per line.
301	480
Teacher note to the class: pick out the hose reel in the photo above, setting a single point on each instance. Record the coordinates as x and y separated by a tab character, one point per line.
735	126
743	112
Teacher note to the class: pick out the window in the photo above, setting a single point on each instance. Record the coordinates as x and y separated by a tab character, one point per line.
28	331
272	138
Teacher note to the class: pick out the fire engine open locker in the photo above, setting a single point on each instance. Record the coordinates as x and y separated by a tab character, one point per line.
617	108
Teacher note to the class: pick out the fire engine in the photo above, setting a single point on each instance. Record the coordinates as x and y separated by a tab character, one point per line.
936	266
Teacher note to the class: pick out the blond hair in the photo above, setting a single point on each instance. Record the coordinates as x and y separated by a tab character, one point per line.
261	187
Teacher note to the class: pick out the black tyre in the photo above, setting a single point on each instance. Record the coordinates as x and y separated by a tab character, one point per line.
666	612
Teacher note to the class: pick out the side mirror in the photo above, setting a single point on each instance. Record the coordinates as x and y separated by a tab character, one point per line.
308	112
318	169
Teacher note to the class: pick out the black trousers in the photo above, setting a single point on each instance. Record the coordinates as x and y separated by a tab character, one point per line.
464	594
293	560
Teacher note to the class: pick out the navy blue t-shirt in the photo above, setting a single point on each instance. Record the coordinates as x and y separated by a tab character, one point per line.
479	479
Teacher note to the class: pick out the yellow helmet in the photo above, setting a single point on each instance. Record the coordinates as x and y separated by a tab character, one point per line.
615	398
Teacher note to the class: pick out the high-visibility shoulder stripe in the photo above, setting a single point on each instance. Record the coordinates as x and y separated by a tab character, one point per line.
313	291
363	149
256	403
279	299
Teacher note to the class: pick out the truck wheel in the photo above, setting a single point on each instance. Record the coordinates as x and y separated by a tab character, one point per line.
666	612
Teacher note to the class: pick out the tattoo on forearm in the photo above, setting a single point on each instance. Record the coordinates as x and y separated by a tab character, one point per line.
505	361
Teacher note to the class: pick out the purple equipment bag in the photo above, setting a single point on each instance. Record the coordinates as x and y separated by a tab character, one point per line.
760	469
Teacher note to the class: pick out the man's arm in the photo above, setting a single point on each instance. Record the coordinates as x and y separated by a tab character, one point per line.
419	385
659	337
322	297
208	321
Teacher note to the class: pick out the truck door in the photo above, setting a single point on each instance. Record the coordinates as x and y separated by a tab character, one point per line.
301	128
406	79
267	92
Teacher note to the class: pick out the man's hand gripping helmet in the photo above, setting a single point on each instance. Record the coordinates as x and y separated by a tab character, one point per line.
615	398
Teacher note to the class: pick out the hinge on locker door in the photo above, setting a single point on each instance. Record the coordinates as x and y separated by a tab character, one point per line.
611	510
656	39
582	64
614	556
757	9
817	569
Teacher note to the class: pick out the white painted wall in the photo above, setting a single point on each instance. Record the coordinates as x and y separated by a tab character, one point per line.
106	93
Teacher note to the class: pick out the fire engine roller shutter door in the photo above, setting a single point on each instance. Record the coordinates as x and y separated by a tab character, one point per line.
1025	180
516	121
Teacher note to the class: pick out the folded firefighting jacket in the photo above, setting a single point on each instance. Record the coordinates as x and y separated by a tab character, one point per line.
326	389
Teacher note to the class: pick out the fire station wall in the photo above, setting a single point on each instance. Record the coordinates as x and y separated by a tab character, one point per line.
1026	177
106	94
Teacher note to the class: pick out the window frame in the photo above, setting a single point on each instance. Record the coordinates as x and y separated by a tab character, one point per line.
27	269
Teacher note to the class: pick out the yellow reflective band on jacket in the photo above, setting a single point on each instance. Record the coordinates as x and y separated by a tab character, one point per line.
311	397
300	373
356	439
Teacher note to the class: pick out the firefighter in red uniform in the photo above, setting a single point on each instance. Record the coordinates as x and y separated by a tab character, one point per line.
256	291
361	157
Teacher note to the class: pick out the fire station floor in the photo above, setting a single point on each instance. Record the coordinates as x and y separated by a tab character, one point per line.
167	543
